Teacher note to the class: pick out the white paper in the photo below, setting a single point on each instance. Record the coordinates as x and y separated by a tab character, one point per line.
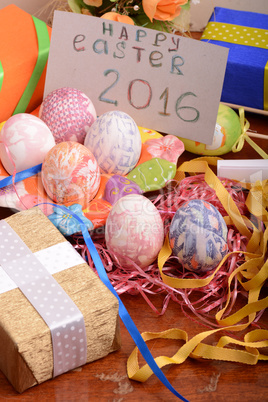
245	170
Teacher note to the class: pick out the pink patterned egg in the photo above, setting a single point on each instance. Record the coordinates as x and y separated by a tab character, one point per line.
25	140
70	173
134	230
68	113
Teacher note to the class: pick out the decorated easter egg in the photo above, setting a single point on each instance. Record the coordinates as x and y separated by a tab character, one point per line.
70	173
119	186
153	174
198	235
26	139
68	113
148	134
134	229
115	141
227	131
97	211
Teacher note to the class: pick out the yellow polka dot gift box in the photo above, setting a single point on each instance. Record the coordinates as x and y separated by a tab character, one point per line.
56	314
246	35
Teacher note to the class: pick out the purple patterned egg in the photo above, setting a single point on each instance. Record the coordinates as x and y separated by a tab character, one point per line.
198	236
119	186
115	141
68	113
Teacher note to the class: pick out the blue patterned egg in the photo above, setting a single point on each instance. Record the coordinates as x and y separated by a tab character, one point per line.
198	236
115	141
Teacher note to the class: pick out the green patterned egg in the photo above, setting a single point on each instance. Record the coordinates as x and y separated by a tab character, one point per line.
153	174
226	133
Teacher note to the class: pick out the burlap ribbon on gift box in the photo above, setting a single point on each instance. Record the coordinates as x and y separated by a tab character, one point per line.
26	356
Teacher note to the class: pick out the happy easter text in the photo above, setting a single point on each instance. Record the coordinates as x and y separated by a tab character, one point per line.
101	46
137	54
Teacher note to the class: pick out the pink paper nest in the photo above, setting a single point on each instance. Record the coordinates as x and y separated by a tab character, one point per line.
202	302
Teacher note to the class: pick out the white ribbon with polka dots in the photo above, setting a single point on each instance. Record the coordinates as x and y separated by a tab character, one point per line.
64	319
54	258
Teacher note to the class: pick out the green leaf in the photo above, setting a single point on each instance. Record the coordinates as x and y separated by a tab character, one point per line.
186	6
143	21
75	6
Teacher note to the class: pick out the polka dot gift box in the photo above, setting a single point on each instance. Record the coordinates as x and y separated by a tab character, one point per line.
50	302
246	35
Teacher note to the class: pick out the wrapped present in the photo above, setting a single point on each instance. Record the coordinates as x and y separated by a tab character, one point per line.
43	335
246	35
24	49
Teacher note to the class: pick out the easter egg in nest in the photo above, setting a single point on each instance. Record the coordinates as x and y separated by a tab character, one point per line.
198	236
134	230
227	131
26	139
68	113
119	186
70	173
115	141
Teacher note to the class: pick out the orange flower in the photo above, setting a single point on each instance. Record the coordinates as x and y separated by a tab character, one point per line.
118	17
162	10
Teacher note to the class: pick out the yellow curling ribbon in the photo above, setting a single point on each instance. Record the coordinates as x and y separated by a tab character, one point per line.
237	34
194	348
238	145
252	275
257	200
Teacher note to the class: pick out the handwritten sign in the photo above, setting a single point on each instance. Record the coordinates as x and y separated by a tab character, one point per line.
165	82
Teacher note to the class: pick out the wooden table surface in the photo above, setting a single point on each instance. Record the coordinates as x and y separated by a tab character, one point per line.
196	380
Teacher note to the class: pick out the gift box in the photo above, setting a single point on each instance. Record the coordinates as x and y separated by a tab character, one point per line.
246	36
30	351
24	49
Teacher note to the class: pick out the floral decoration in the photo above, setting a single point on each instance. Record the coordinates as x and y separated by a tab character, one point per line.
66	222
163	10
163	15
168	147
118	17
